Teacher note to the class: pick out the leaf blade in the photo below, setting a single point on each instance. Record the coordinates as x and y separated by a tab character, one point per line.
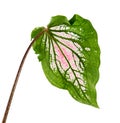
71	57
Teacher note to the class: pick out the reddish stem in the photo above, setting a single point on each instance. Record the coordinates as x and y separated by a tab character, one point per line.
17	77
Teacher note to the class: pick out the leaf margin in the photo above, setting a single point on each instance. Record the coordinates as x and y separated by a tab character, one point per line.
73	23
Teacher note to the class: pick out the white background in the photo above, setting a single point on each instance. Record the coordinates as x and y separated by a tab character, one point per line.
36	100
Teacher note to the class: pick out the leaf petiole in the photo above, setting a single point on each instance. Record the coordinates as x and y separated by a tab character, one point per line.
17	77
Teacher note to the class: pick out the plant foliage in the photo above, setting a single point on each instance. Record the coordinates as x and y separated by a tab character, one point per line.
70	56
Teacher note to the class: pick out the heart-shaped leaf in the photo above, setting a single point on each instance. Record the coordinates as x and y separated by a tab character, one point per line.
70	56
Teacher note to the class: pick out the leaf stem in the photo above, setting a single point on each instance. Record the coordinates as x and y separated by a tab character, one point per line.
17	77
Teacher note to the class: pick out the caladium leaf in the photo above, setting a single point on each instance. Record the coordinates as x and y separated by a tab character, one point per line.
70	56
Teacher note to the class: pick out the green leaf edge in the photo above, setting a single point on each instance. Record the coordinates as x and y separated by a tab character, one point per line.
61	83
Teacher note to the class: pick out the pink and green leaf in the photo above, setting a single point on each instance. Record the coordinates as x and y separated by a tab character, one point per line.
70	56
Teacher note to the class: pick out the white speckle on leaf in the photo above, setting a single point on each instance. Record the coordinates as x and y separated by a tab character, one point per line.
76	83
87	48
83	59
83	88
60	27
